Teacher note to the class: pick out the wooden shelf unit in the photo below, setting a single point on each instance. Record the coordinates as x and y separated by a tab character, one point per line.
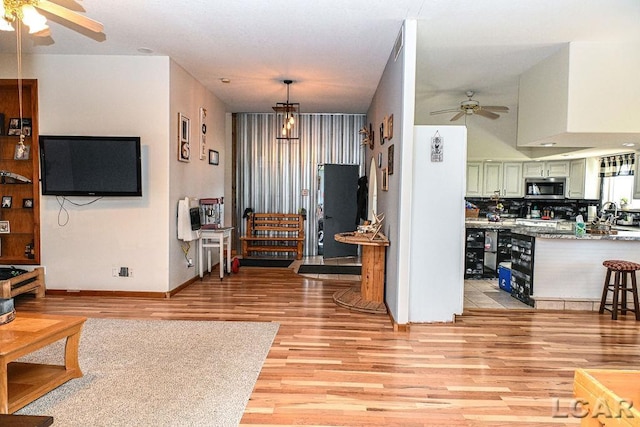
21	246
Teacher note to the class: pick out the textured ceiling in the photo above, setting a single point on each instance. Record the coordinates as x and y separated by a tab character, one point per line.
336	50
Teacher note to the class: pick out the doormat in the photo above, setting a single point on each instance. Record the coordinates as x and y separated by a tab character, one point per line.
330	269
265	262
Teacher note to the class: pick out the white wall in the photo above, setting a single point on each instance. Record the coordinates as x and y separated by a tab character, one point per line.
122	95
603	87
585	88
196	178
437	231
397	79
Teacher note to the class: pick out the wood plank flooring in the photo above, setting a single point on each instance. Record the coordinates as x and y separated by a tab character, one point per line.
329	366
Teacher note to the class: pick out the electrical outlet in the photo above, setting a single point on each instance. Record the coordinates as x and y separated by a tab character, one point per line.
121	272
190	262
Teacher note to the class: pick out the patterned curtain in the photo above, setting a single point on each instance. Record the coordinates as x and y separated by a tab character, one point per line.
282	175
618	165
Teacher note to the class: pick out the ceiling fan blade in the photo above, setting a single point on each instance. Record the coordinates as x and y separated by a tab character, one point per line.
457	116
43	33
70	16
496	108
487	114
449	110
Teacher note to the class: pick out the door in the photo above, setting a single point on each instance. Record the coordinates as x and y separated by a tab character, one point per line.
340	208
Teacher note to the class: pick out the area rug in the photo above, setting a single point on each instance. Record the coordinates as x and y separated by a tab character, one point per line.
157	372
265	262
329	269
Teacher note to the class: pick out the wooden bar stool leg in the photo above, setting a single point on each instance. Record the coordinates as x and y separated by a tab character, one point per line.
634	289
623	289
605	290
616	291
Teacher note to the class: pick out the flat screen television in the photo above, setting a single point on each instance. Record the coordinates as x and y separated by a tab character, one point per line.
90	165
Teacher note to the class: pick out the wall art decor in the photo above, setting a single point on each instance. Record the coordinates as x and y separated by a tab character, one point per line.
437	143
19	128
384	182
203	133
184	148
214	157
390	159
22	152
4	227
7	201
382	136
372	136
390	127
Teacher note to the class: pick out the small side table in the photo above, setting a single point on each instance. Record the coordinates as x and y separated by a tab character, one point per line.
214	238
370	297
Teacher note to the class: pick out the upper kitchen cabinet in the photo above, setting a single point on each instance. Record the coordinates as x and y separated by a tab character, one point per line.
503	178
584	181
555	169
564	99
474	179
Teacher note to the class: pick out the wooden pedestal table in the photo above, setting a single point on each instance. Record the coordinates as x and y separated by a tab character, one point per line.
22	383
370	297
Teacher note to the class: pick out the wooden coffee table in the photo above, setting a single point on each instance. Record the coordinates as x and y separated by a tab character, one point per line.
22	383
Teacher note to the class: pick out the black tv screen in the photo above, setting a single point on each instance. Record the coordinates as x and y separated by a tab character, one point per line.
90	166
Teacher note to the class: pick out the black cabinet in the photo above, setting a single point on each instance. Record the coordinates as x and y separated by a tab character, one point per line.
474	253
522	257
485	249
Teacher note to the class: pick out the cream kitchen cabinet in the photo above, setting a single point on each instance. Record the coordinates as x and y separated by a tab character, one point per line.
552	169
474	179
583	182
504	178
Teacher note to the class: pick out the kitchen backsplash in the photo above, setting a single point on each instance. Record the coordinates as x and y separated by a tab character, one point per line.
518	208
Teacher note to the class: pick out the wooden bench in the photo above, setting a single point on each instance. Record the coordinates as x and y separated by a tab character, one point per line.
32	281
274	232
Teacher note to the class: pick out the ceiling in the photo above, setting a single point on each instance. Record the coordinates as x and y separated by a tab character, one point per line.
336	50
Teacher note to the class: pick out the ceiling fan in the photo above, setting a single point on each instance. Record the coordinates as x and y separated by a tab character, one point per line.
27	12
472	106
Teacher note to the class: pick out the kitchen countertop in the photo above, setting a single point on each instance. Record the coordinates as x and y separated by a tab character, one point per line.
624	233
570	235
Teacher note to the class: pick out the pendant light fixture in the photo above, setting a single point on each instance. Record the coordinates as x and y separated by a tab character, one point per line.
287	117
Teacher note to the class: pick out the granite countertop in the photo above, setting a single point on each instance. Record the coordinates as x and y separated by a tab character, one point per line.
485	223
624	233
570	235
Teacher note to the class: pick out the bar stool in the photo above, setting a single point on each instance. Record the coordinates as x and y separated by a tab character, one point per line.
620	287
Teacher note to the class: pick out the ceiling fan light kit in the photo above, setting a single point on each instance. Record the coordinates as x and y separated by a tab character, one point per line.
26	11
471	106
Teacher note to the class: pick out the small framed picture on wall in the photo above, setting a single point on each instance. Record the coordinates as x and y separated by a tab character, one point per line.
214	157
7	201
184	129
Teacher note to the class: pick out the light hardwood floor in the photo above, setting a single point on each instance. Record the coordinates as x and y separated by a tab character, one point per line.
330	366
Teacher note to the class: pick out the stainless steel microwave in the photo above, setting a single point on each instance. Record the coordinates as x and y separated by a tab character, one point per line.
548	188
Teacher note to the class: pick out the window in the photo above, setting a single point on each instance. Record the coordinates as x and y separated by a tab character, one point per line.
617	179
